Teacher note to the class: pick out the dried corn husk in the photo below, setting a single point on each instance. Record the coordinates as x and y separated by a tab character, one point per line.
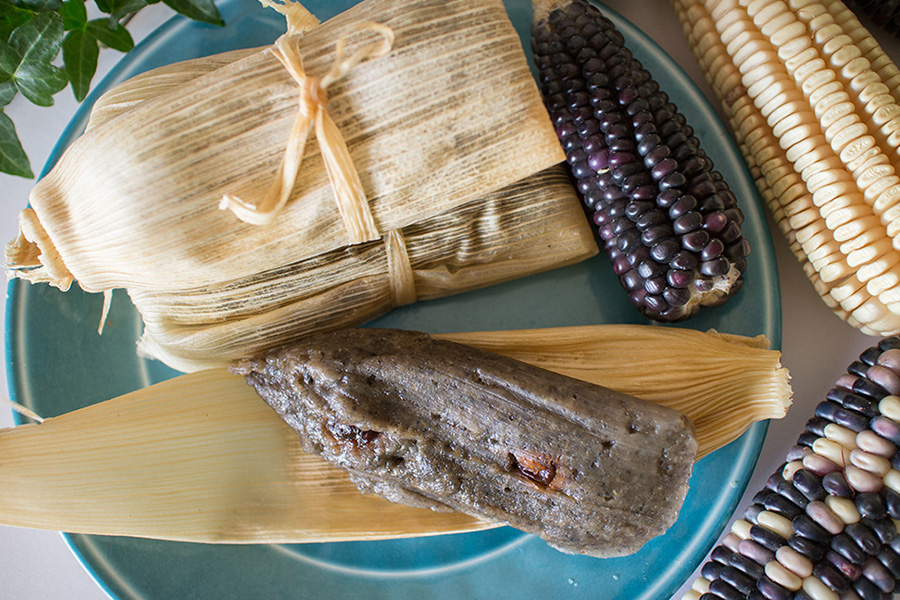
448	126
202	458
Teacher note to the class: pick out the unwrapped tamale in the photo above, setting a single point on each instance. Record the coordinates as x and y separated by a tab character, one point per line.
454	150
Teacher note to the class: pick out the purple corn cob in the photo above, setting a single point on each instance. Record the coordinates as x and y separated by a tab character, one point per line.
667	220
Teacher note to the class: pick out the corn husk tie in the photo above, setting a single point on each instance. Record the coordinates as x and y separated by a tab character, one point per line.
312	112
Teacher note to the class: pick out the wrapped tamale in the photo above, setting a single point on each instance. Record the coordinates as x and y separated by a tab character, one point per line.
455	155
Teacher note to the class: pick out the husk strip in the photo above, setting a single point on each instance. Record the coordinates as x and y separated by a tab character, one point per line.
202	458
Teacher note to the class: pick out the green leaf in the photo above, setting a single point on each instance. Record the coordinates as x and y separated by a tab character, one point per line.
116	37
13	159
10	18
74	14
80	51
199	10
39	39
8	91
39	82
10	58
36	4
38	42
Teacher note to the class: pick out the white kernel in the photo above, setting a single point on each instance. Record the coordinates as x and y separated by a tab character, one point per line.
789	469
817	590
844	508
782	576
701	584
890	407
793	560
843	436
892	480
862	480
832	451
690	595
775	522
873	443
741	528
872	463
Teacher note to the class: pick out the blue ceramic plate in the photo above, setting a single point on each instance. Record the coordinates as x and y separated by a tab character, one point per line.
58	364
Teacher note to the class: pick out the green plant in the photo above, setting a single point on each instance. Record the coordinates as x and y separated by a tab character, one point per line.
33	34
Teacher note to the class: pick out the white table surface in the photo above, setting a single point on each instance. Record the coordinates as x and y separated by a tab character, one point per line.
816	345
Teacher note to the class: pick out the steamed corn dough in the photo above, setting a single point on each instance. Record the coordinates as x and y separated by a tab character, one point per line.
447	132
436	424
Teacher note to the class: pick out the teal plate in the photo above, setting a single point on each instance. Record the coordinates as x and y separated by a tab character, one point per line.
57	363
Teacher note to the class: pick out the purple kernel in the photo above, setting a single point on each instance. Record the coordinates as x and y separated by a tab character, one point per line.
715	267
666	198
712	250
593	143
844	566
846	381
620	265
599	160
836	484
679	279
654	235
685	261
644	192
738	249
884	377
632	281
731	232
665	250
886	428
771	590
677	296
694	241
890	359
665	168
655	286
655	303
651	218
687	223
605	231
656	155
682	206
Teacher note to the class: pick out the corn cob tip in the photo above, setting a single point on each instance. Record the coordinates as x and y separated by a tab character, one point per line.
667	219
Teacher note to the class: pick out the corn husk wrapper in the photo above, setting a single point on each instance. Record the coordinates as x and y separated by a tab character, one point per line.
447	132
201	458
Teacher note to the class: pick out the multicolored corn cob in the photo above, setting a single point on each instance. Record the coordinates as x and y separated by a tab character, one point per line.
667	220
826	525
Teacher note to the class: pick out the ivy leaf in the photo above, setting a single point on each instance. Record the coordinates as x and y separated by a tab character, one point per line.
80	51
37	42
8	91
39	82
198	10
74	14
115	37
10	18
39	39
13	159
